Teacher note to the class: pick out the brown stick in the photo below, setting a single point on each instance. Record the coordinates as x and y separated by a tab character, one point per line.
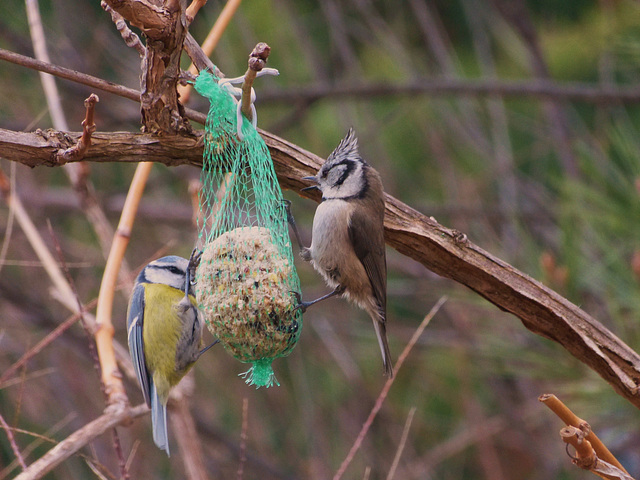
76	153
111	377
183	427
437	87
385	390
74	442
571	419
12	442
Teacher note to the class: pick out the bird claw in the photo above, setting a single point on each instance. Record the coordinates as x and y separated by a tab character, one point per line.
194	262
301	305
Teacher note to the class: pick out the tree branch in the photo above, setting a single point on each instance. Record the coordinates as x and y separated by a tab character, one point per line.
431	86
445	251
113	416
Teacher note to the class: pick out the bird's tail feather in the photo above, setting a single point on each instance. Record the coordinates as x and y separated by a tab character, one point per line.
159	421
381	333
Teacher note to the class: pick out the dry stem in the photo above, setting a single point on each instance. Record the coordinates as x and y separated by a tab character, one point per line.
243	437
403	441
385	390
111	376
572	420
64	292
185	431
194	8
12	442
74	442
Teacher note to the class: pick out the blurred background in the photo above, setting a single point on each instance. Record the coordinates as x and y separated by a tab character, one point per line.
550	185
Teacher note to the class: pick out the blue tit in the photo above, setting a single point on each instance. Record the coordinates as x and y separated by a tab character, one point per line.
164	332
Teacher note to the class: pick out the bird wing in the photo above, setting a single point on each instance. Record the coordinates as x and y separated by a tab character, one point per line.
367	238
135	321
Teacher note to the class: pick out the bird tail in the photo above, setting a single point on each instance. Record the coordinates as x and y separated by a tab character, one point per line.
159	421
381	333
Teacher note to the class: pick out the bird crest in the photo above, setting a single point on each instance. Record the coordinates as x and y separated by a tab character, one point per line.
346	150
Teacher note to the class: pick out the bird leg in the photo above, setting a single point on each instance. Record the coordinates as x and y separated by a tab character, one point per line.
304	305
292	222
207	348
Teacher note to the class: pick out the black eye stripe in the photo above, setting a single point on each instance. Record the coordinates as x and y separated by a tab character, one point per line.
350	167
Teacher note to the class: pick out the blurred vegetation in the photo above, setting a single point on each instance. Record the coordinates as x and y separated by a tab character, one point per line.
491	168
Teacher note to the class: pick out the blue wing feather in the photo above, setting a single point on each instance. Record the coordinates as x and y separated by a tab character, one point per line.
135	322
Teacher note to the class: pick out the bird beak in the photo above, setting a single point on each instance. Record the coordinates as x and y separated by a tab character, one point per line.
313	179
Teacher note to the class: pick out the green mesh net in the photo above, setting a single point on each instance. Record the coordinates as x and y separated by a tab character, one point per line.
246	277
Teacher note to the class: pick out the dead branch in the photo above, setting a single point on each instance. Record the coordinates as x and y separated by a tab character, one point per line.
439	87
111	377
587	458
113	416
12	442
572	420
445	251
430	86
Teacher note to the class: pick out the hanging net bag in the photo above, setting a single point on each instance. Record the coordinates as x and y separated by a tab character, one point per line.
246	276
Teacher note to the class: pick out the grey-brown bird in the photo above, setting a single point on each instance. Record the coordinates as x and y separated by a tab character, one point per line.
347	246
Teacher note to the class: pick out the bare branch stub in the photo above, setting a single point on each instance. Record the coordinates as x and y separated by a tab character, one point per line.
78	151
257	61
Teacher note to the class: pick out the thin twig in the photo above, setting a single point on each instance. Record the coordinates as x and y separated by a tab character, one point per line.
42	344
431	86
210	43
403	441
183	426
385	390
77	173
12	441
40	49
586	455
69	74
243	437
80	306
8	231
257	61
114	415
37	243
